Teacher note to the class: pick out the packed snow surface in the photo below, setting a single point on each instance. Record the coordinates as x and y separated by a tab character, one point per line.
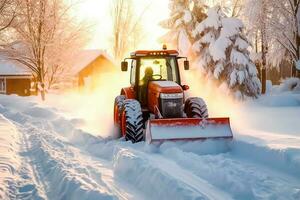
46	154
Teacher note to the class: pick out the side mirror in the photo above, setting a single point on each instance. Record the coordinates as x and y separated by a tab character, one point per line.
185	87
186	64
124	66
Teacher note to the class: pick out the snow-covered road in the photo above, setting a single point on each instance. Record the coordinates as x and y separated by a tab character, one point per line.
45	156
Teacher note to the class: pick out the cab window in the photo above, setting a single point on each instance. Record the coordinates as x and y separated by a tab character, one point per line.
163	69
132	73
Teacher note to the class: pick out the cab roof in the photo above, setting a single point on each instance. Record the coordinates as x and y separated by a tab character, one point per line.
141	53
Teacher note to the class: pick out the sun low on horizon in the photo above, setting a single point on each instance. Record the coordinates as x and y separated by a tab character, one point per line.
97	12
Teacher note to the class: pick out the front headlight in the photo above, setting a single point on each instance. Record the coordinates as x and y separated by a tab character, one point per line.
171	95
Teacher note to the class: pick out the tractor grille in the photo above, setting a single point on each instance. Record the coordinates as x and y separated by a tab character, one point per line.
171	108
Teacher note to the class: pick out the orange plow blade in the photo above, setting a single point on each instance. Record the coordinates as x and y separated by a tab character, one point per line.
161	130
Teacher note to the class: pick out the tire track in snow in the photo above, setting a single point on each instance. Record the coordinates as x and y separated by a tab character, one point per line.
161	178
58	169
240	177
229	172
65	169
17	178
201	185
168	173
105	175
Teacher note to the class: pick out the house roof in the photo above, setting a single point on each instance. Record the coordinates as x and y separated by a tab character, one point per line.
85	57
13	68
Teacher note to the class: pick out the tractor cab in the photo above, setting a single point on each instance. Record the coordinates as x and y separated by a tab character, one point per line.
152	68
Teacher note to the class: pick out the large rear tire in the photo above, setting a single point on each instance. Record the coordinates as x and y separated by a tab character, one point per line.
195	107
132	121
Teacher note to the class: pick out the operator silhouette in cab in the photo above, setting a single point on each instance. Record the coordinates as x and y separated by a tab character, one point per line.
144	84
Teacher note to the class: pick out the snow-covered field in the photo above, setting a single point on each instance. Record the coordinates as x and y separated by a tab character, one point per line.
49	152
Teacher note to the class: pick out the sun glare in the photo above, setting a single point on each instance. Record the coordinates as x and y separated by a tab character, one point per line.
98	13
219	104
95	105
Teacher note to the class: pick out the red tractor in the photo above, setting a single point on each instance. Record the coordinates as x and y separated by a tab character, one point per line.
154	106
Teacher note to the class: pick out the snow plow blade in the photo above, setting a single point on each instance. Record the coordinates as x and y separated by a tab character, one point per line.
181	129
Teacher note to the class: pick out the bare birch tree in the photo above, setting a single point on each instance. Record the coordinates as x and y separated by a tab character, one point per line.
68	41
127	31
233	8
286	23
277	25
8	14
44	35
257	15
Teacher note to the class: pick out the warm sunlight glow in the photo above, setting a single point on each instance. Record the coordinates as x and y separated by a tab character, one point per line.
219	104
98	13
95	106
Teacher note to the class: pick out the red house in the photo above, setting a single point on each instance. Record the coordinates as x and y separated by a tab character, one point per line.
90	65
14	78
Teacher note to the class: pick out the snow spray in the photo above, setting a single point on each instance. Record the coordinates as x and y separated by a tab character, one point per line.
218	99
92	106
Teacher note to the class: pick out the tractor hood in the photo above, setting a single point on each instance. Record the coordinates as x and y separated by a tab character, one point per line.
167	96
164	87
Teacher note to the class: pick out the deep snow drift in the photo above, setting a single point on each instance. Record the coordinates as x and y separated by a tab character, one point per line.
48	152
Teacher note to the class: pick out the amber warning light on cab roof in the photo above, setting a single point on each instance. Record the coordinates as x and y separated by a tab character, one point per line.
163	52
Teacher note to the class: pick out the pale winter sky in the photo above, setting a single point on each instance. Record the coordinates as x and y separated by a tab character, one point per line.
98	12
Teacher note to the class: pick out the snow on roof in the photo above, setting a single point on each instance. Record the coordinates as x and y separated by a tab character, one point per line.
9	67
85	57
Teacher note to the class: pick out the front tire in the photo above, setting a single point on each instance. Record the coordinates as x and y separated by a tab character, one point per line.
132	121
195	107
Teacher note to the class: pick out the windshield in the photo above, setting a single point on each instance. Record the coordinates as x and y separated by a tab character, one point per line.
162	68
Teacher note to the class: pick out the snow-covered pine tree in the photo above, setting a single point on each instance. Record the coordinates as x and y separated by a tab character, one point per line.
184	16
222	54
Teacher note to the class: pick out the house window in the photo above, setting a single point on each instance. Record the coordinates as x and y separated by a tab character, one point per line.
2	85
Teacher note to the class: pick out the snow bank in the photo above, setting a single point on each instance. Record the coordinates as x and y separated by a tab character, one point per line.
50	141
290	84
58	166
156	181
286	160
287	94
239	177
9	161
17	180
287	99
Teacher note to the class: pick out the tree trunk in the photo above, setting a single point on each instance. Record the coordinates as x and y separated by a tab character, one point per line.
297	36
293	71
41	82
43	92
263	51
263	67
263	80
